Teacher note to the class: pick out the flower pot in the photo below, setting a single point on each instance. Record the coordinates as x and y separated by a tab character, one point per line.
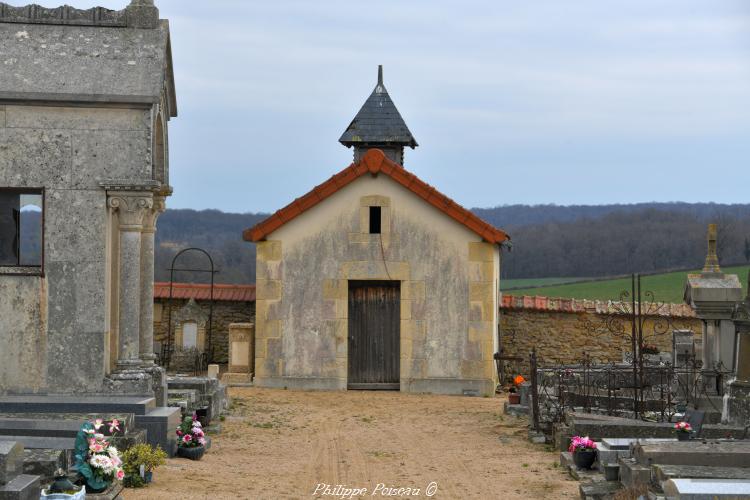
92	490
683	436
584	459
193	453
514	398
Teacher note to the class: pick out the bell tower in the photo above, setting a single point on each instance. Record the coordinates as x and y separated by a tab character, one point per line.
379	125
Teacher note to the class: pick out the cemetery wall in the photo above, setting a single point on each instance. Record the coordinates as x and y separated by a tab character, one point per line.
563	330
224	313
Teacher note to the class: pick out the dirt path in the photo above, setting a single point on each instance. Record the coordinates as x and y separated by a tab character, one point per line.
284	444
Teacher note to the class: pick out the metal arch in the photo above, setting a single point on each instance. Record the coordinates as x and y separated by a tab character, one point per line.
172	269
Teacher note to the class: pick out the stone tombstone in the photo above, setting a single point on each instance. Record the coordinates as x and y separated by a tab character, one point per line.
713	296
241	347
213	371
11	460
683	347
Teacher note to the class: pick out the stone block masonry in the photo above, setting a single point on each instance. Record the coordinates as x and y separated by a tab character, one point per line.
562	330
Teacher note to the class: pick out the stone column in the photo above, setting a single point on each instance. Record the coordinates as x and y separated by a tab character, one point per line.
147	282
131	207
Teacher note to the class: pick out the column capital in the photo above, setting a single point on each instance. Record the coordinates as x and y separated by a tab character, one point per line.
131	207
149	219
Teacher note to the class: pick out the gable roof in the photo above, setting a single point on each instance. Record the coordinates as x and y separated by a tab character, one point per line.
202	291
378	121
374	162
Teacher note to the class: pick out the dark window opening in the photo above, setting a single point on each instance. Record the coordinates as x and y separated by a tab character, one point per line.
374	220
21	227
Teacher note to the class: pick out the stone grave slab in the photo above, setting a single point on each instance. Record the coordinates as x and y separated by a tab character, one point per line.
716	453
21	487
665	472
44	462
706	489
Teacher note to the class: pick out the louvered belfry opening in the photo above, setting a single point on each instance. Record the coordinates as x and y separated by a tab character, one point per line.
374	335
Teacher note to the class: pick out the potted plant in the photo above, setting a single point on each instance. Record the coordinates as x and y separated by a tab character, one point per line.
98	463
583	450
191	441
514	397
139	462
62	489
683	431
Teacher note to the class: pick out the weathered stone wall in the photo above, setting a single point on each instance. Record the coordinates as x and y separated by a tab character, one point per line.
23	338
67	151
225	312
563	336
448	280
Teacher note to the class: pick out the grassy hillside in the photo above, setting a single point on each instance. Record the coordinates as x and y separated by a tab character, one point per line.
515	283
667	287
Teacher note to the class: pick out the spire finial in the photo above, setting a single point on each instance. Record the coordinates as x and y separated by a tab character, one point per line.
380	75
712	258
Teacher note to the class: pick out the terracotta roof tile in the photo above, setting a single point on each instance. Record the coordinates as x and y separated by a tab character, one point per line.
375	161
202	291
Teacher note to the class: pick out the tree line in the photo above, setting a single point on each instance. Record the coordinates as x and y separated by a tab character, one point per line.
547	240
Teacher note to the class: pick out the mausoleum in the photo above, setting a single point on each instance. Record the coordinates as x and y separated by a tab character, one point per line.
85	100
374	279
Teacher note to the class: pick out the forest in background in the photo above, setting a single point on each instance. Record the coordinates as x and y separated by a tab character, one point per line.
547	240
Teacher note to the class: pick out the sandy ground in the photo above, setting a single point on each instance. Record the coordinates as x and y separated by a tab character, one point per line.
283	444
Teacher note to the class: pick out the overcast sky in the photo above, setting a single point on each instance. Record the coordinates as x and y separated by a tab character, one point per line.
567	102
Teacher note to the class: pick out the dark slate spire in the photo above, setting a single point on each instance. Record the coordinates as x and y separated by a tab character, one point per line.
379	125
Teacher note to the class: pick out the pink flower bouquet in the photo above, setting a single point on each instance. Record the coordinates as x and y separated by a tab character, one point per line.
683	427
579	443
190	433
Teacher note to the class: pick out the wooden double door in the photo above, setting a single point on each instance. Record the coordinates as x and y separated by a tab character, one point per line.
374	335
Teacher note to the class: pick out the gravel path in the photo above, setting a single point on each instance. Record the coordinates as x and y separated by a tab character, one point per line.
287	444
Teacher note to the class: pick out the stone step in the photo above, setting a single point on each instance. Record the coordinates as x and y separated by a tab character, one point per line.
44	462
138	405
55	425
716	453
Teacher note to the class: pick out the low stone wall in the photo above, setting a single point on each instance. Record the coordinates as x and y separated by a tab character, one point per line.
563	330
224	313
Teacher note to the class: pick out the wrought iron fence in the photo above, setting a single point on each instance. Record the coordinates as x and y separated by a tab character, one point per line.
658	393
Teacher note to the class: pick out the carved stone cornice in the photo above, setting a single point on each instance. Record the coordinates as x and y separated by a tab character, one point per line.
36	14
139	14
131	208
128	185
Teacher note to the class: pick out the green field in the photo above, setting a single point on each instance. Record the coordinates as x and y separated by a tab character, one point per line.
667	287
534	282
